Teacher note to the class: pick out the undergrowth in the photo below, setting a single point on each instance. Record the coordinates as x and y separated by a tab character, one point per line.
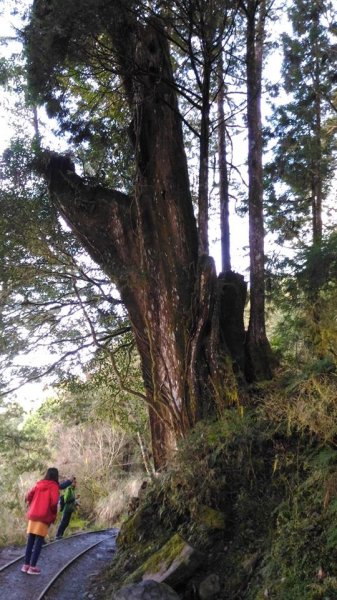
271	471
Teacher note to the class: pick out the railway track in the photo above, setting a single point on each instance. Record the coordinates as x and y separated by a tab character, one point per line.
67	566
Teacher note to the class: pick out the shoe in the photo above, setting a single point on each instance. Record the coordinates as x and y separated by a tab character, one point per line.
34	571
25	568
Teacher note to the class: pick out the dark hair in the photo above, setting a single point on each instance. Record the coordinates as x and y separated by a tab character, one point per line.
52	474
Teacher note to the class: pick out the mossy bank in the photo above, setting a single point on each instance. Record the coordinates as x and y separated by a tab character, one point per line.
255	499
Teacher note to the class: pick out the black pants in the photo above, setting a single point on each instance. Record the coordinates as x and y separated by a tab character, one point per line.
33	549
66	516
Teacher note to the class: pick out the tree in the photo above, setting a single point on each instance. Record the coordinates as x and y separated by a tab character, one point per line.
204	29
57	308
146	241
259	351
304	155
203	49
55	303
304	158
298	334
21	450
223	171
208	58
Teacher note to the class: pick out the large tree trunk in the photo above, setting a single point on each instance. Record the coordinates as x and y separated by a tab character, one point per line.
203	161
258	348
223	172
317	178
148	245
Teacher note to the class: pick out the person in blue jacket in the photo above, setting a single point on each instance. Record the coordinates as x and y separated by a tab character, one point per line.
62	486
66	483
70	503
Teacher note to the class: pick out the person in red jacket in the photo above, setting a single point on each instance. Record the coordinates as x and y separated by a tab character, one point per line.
42	502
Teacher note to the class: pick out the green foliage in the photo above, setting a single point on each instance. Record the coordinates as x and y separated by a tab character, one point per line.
71	69
317	265
22	449
211	468
48	284
303	325
49	287
302	542
272	473
300	174
112	390
305	403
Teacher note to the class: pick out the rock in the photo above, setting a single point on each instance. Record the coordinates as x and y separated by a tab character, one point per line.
209	517
209	587
173	563
146	590
133	505
249	563
131	530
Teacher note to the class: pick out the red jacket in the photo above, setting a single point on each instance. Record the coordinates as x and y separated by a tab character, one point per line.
42	500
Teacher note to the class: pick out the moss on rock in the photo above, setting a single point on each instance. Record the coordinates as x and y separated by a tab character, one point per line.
211	518
173	563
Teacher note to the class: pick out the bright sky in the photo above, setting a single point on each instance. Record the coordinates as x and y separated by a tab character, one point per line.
5	30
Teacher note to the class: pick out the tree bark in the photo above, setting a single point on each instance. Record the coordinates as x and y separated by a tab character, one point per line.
223	173
203	160
258	348
317	178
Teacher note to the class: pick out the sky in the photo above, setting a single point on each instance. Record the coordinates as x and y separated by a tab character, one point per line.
5	30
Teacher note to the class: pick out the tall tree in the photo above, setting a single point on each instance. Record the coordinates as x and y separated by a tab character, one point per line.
304	156
223	172
146	240
259	351
202	31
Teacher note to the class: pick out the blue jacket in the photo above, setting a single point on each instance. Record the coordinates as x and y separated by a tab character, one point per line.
66	483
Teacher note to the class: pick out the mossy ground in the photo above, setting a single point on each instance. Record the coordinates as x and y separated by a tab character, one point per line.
277	492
